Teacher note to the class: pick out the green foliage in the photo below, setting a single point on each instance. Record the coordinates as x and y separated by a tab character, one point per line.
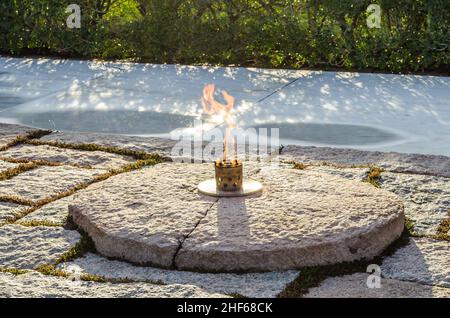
414	34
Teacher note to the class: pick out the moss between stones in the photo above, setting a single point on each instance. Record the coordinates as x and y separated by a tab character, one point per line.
374	176
152	159
84	246
51	270
12	172
16	200
300	166
409	225
236	295
41	162
13	271
24	138
39	223
312	276
443	230
138	155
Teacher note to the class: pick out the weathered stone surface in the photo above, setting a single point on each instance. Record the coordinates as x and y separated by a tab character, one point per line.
391	161
148	144
9	132
6	165
29	247
141	216
97	159
55	212
9	211
250	285
426	198
424	261
303	218
358	174
44	182
34	285
354	286
395	162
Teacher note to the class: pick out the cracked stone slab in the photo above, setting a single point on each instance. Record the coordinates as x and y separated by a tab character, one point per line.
142	215
36	285
255	285
9	132
390	161
28	247
44	182
303	217
355	286
55	212
147	144
97	159
9	210
423	261
426	198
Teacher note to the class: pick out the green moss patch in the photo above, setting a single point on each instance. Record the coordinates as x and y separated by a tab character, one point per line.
300	166
312	276
443	230
39	223
24	138
374	176
12	172
16	199
13	271
51	270
84	246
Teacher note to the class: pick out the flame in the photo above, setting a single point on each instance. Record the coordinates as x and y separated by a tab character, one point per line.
214	108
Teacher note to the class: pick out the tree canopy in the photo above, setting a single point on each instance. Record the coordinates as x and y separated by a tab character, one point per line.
413	36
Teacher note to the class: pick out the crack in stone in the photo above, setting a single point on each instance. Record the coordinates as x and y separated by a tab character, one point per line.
184	238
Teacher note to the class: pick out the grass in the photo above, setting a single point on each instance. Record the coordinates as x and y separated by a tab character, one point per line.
312	276
444	227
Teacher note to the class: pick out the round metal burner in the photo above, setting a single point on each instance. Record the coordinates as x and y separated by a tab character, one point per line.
249	187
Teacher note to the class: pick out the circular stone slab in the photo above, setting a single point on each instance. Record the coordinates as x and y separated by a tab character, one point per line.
155	216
